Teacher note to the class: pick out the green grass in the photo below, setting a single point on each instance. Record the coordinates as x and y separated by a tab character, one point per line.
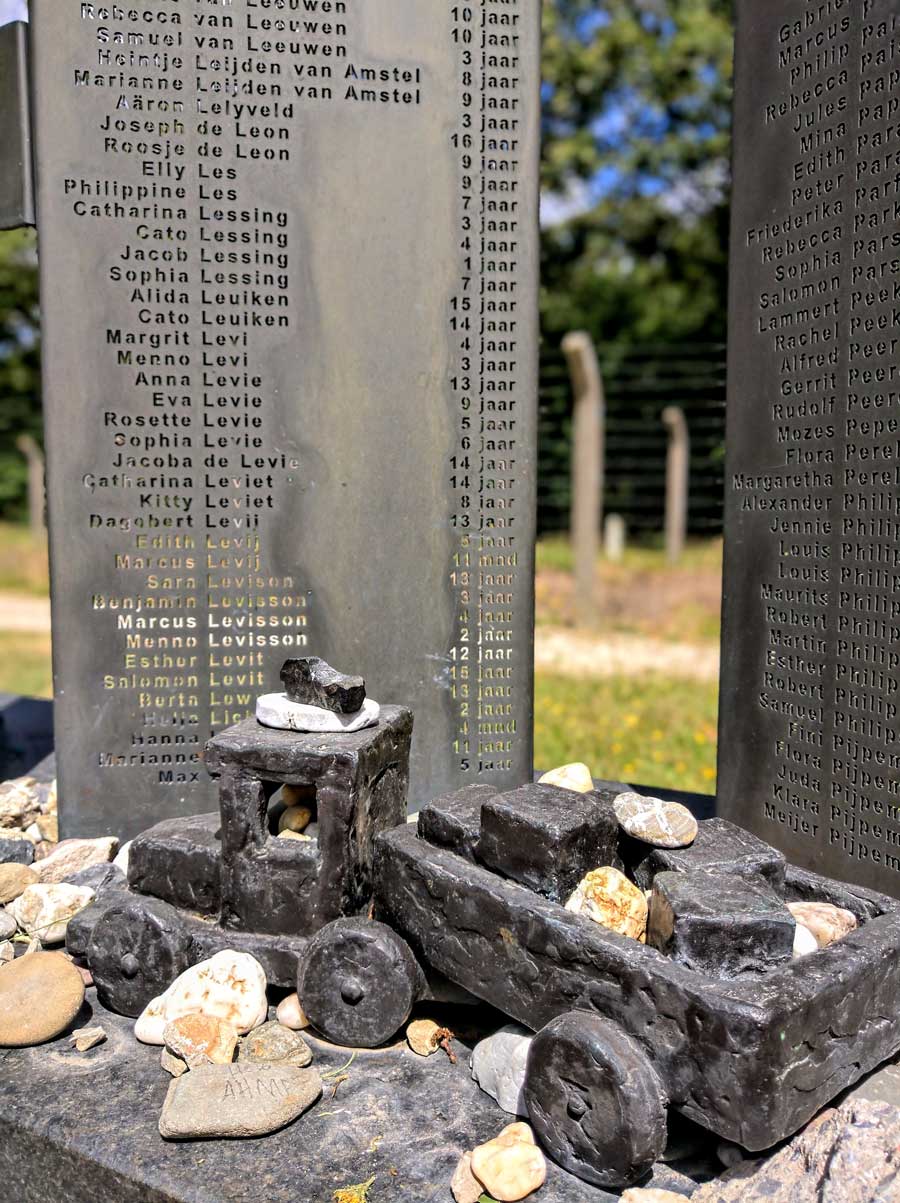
649	729
25	664
23	561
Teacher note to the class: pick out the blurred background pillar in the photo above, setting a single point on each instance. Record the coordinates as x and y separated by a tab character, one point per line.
678	459
587	468
36	504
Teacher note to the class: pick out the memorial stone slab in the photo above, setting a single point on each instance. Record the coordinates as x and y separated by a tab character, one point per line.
809	749
289	261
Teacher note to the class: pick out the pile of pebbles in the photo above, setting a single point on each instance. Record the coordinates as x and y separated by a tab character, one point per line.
709	895
43	884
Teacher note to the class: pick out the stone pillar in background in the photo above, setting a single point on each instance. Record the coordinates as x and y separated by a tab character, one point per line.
36	501
615	535
588	435
678	468
16	175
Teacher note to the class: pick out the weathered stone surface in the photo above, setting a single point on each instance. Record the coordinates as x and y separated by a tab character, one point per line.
99	878
422	1036
274	1044
498	1066
454	821
74	855
510	1167
848	1155
8	925
595	1100
14	880
395	1116
44	910
230	986
238	1100
312	682
533	960
804	942
547	838
135	946
7	952
607	897
826	922
358	981
40	995
295	819
653	821
290	1014
20	802
171	1064
48	826
719	925
464	1186
291	887
84	1039
201	1039
575	777
278	711
720	846
16	851
637	1194
178	860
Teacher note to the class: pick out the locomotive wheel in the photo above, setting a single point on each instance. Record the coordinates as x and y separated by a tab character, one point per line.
137	950
595	1100
357	982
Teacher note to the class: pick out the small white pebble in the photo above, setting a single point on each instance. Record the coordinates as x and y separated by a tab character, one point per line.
804	942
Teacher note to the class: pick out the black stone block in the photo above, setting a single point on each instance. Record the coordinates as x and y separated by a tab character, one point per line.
454	821
312	682
719	925
720	847
178	861
99	878
18	852
752	1059
547	838
361	781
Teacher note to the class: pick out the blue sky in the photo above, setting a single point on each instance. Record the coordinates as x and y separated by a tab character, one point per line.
13	10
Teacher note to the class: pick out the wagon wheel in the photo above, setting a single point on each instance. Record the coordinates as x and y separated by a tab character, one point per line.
137	950
357	982
595	1100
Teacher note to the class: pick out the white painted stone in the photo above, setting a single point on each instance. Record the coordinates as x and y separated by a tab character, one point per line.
230	986
576	777
44	910
121	861
278	711
804	942
498	1066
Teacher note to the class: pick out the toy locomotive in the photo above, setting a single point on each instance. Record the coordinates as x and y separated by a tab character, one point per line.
623	1031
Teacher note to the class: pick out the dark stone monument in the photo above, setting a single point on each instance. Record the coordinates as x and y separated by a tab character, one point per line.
809	751
289	260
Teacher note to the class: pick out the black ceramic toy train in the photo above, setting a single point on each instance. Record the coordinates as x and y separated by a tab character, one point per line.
471	895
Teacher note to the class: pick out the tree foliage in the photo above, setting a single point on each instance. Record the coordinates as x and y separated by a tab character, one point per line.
636	125
20	390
